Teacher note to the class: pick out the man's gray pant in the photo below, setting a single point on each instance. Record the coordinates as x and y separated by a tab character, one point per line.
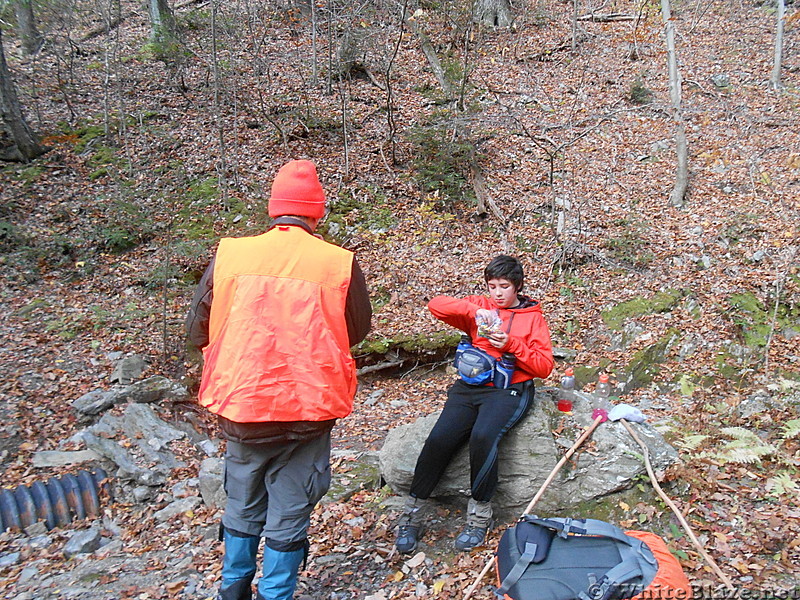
272	489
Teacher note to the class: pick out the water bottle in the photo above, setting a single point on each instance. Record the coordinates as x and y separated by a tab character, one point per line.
463	344
566	394
504	370
601	393
600	403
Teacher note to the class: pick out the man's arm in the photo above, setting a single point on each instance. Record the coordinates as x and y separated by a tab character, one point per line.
358	310
200	310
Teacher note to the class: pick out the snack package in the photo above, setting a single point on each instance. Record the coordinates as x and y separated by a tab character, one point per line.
495	325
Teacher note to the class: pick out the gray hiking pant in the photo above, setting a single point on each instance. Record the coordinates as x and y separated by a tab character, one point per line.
272	489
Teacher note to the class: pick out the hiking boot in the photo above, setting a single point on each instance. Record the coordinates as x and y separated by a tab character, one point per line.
407	538
479	521
471	537
409	526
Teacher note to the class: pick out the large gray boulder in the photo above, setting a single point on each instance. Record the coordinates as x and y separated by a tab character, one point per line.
212	482
608	462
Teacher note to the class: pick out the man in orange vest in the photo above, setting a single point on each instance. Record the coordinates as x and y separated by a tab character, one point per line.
275	315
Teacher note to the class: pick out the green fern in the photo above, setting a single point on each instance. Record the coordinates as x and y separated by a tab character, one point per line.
735	453
740	433
745	447
791	429
782	485
692	442
744	456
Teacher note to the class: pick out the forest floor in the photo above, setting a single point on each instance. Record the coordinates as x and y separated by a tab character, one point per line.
103	238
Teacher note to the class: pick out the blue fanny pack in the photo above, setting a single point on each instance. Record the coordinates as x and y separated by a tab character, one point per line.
474	365
478	367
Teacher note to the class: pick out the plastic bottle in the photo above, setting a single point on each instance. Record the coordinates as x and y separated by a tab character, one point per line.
601	392
503	370
566	394
600	404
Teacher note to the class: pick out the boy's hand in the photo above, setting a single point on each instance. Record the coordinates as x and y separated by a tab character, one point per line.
488	322
499	340
485	316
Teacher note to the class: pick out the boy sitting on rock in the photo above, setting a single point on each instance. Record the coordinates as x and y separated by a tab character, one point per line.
506	344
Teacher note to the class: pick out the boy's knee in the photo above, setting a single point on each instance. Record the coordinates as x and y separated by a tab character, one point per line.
481	439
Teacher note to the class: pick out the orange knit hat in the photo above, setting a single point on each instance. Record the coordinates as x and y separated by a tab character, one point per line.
297	191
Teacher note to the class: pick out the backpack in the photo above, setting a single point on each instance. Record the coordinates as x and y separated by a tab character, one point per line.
585	559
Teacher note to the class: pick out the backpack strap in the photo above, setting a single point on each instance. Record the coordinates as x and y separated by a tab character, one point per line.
566	526
562	525
510	321
638	559
518	569
624	571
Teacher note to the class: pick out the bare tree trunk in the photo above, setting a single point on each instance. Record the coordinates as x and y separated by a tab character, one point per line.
345	133
222	167
775	80
574	25
110	62
433	59
25	145
493	13
162	21
32	40
482	195
329	87
676	198
314	44
389	95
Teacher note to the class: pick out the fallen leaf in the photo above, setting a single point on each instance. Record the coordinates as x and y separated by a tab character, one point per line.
438	585
416	560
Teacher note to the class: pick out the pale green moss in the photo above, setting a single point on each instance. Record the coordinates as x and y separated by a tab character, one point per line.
661	302
645	364
412	344
756	322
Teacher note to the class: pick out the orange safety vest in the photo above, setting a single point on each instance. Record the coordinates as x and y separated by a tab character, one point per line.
278	346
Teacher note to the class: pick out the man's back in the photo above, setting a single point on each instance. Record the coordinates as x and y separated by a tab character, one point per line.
278	330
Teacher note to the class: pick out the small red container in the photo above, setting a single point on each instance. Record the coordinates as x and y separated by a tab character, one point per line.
564	405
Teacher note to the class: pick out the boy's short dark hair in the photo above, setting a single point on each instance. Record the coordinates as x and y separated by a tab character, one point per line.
505	267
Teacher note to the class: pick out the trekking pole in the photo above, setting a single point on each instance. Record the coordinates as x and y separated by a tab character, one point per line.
539	494
728	583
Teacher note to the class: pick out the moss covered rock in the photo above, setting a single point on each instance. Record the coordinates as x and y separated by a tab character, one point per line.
424	347
645	365
661	302
757	322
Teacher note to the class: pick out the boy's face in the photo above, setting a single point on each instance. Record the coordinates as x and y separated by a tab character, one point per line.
503	293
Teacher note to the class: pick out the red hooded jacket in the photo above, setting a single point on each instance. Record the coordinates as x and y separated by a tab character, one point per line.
528	334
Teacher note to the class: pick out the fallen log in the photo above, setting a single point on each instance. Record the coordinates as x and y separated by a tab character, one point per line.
607	18
101	29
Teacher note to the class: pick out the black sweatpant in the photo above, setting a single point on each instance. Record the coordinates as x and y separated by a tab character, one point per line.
481	415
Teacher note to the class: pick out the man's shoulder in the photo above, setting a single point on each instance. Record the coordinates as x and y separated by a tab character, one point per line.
239	240
304	242
330	247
